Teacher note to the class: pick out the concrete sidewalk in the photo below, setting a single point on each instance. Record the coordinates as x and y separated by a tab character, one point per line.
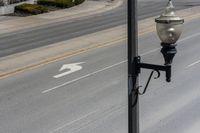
35	58
85	9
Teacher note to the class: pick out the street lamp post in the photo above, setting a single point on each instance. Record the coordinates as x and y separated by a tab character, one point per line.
133	105
169	29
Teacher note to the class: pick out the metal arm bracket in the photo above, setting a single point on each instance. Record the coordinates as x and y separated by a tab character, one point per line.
155	68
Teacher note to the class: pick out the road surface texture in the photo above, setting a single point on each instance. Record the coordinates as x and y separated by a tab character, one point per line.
94	99
52	33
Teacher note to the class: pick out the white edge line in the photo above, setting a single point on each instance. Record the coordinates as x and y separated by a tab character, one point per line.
189	37
87	75
197	62
151	51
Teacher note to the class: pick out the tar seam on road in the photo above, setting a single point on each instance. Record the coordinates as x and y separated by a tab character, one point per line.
67	124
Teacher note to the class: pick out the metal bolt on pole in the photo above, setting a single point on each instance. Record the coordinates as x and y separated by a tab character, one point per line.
133	105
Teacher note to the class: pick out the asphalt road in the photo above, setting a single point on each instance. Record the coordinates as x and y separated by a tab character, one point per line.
49	34
94	99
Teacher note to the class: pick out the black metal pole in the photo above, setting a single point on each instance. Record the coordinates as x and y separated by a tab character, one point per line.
133	104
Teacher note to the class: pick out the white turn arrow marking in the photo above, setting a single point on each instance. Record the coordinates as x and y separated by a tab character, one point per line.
71	68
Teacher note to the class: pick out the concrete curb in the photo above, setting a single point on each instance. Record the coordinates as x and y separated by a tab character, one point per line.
10	8
35	58
88	8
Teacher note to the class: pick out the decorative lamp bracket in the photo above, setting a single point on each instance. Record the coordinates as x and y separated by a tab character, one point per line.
155	68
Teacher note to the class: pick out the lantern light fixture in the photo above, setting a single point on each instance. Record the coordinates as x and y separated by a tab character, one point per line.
169	28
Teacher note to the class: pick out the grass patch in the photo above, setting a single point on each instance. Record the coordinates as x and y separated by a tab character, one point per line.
43	6
77	2
30	9
57	3
60	3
